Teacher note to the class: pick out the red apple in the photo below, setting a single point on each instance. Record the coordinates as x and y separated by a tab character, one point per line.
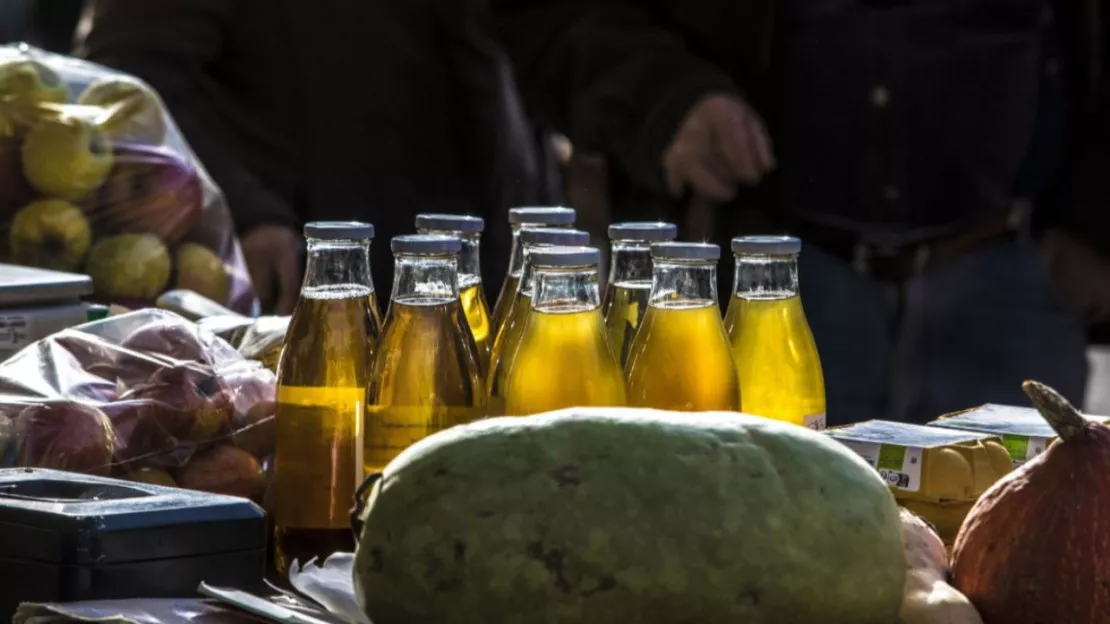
65	435
193	391
151	190
90	351
175	340
224	470
145	432
253	396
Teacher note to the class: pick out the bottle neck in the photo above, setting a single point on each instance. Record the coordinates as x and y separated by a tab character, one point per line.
516	248
689	283
630	261
766	277
527	273
470	270
427	277
337	264
564	290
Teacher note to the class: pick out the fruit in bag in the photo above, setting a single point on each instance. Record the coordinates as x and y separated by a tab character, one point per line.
65	435
27	80
129	266
200	270
50	234
66	157
134	114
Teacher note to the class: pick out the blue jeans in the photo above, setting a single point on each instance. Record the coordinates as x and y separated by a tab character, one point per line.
957	335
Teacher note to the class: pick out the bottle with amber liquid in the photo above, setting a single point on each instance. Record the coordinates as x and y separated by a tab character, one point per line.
321	395
533	217
504	348
425	376
681	359
472	298
563	359
626	294
776	356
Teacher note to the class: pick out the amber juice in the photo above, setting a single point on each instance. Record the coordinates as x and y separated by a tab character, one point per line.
321	396
425	378
680	360
626	306
776	359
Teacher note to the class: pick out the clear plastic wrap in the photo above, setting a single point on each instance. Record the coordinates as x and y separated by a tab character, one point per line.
147	396
95	177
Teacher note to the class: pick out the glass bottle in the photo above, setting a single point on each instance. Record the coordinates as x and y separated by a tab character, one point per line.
472	297
626	293
563	359
508	340
776	357
680	358
535	217
321	394
425	376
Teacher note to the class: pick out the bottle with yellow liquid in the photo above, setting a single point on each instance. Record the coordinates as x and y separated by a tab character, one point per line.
563	359
680	358
508	340
468	229
425	376
321	395
776	357
626	294
533	217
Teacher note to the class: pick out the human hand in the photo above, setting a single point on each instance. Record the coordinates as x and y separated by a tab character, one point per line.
722	142
274	265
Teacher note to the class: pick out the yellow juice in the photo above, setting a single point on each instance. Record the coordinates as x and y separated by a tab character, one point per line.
681	360
425	378
626	303
504	301
776	360
563	361
476	311
504	348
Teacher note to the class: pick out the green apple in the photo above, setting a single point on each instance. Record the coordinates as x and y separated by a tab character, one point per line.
51	234
25	79
66	157
133	113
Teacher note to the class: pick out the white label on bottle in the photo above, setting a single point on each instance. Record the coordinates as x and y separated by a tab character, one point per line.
15	331
814	421
899	466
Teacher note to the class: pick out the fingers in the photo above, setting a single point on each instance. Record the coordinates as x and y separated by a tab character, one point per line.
686	165
761	145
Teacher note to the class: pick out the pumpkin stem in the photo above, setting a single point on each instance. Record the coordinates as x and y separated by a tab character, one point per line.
1065	420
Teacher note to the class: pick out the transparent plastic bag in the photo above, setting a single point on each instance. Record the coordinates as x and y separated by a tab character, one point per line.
147	396
95	177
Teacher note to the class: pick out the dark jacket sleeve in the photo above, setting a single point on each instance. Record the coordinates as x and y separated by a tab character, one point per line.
172	45
607	75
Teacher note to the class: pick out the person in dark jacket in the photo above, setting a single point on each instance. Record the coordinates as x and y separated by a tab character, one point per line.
905	141
332	109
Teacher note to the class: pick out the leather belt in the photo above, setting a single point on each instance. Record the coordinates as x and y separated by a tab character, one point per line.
901	263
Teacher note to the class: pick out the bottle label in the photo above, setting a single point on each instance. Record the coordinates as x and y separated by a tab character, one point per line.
814	421
318	459
900	466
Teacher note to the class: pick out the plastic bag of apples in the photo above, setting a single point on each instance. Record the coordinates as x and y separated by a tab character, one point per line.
95	177
146	396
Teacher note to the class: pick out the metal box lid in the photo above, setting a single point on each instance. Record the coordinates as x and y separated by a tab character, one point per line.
22	286
52	516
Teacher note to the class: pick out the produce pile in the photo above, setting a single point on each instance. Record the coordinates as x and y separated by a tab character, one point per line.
635	516
145	396
96	178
